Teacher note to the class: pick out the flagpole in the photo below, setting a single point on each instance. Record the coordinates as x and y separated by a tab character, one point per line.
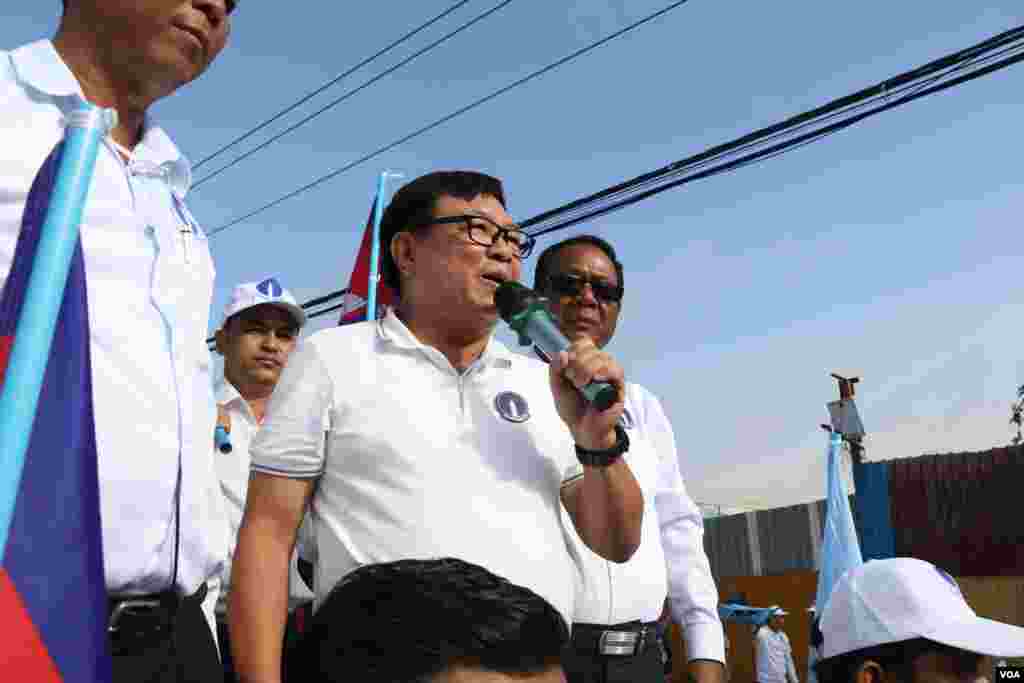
44	295
378	210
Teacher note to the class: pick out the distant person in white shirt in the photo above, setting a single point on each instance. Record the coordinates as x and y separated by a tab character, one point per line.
261	325
441	442
774	653
903	620
614	634
149	280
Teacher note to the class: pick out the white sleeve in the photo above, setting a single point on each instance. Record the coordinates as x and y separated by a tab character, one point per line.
290	442
693	597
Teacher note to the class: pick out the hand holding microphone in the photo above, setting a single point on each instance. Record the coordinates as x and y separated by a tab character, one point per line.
592	409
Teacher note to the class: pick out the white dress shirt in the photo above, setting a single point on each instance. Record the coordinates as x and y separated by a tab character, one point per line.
233	471
670	561
423	461
149	279
774	657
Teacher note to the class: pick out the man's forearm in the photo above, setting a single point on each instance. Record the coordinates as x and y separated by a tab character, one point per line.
609	511
706	671
258	604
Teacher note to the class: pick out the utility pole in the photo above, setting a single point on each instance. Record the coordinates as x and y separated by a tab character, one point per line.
871	508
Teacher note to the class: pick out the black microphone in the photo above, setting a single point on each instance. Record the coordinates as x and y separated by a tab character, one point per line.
526	313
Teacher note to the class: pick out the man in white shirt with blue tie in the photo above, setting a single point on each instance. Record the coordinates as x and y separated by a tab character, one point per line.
614	634
149	279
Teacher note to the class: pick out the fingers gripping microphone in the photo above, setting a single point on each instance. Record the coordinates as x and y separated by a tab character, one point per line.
526	313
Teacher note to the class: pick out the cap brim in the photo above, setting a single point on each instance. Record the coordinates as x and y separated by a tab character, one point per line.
291	309
981	636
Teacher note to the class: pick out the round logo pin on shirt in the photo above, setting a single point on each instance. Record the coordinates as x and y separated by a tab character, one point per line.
512	406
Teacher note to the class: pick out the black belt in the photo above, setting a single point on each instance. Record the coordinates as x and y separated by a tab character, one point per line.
138	614
619	640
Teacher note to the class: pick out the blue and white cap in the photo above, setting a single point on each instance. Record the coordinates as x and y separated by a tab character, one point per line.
269	291
902	598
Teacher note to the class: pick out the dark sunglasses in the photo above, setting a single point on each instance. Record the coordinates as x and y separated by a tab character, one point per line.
565	284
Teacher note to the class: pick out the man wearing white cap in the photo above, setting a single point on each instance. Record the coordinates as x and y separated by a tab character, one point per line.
774	653
261	324
906	620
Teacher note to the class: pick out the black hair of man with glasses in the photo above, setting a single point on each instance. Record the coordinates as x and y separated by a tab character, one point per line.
616	640
443	441
432	621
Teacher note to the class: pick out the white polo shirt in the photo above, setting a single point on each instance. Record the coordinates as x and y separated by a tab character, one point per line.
422	461
670	560
233	471
149	279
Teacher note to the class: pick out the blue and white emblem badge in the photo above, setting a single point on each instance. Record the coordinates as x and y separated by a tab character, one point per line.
512	406
270	288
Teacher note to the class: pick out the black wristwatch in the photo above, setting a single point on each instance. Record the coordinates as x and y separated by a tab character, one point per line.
607	456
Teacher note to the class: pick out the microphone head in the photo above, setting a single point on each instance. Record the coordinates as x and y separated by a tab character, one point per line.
513	298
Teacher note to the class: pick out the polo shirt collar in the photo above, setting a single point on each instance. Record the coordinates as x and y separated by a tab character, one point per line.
226	392
39	66
392	330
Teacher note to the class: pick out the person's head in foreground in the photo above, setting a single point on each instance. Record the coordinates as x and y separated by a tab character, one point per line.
433	621
904	620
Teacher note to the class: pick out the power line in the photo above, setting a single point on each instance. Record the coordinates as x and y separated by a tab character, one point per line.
893	92
349	94
550	67
884	91
305	98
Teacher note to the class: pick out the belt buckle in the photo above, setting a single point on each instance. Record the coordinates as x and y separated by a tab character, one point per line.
124	606
620	643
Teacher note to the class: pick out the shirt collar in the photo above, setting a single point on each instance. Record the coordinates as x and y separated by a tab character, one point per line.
39	66
391	329
226	392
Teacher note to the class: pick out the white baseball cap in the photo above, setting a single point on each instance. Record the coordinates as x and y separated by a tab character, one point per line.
887	601
269	291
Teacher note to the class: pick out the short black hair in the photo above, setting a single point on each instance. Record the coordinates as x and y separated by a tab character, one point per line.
410	620
546	261
896	658
414	202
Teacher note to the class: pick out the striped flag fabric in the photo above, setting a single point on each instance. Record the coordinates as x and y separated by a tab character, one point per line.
353	305
53	602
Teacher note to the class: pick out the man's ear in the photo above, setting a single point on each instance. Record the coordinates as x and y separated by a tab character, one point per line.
870	672
403	252
220	341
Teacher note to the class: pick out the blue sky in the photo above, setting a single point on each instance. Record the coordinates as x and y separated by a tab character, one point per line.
890	250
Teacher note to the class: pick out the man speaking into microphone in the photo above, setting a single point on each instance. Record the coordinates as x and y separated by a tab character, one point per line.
441	442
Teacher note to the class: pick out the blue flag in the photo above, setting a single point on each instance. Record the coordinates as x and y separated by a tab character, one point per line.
840	550
53	601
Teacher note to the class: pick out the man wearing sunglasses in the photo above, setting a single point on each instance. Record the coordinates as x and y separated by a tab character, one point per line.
441	441
614	635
